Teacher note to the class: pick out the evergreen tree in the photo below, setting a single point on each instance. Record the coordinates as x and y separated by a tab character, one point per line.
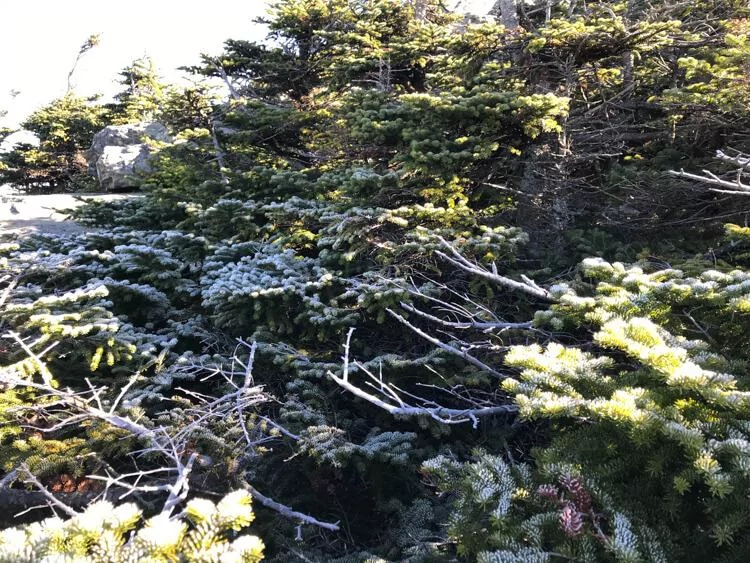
415	189
65	129
143	96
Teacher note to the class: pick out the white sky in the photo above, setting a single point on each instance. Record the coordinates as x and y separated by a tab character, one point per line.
40	40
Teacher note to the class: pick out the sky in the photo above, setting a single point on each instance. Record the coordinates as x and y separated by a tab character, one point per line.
41	38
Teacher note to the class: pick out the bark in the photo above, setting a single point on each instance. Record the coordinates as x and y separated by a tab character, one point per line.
627	74
507	11
547	190
420	10
628	59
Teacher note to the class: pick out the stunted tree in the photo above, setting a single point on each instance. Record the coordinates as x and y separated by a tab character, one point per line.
143	95
92	41
65	129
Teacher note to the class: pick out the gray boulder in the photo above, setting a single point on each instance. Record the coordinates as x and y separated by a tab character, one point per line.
121	167
119	154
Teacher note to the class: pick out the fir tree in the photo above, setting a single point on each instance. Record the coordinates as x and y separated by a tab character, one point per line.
414	188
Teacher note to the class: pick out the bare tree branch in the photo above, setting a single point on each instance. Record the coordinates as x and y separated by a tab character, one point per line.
740	160
447	347
732	187
527	285
92	41
439	413
174	447
467	325
29	477
289	512
735	186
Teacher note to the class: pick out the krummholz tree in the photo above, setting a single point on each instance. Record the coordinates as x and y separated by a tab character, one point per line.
64	128
402	285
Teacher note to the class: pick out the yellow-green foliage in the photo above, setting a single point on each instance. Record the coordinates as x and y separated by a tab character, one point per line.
717	76
659	401
117	534
312	202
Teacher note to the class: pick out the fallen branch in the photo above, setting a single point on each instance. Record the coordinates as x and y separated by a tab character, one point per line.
289	512
487	326
527	285
439	413
446	347
735	187
741	160
173	447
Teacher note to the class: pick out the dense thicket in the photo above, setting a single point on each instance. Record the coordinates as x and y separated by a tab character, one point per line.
425	280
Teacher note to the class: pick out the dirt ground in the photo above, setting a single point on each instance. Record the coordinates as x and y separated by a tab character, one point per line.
27	214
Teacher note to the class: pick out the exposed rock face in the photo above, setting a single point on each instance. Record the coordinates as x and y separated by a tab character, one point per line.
119	155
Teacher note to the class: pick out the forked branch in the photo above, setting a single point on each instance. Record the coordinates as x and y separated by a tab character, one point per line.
173	444
526	285
393	401
735	186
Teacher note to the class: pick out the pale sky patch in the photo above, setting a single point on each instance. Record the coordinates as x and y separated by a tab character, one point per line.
477	7
41	38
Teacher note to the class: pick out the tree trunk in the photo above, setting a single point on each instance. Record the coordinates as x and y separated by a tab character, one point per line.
627	58
420	10
507	12
627	75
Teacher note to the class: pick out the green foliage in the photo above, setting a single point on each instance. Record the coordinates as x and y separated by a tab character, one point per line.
717	75
65	129
144	94
660	404
354	154
507	513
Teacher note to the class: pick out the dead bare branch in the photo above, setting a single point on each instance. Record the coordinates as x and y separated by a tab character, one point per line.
732	187
735	186
29	477
289	512
467	325
446	347
527	285
173	446
393	395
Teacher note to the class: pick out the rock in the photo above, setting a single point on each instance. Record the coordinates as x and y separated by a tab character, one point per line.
131	134
119	154
120	167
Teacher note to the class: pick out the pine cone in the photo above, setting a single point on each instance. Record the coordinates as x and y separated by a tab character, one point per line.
578	493
571	522
550	492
